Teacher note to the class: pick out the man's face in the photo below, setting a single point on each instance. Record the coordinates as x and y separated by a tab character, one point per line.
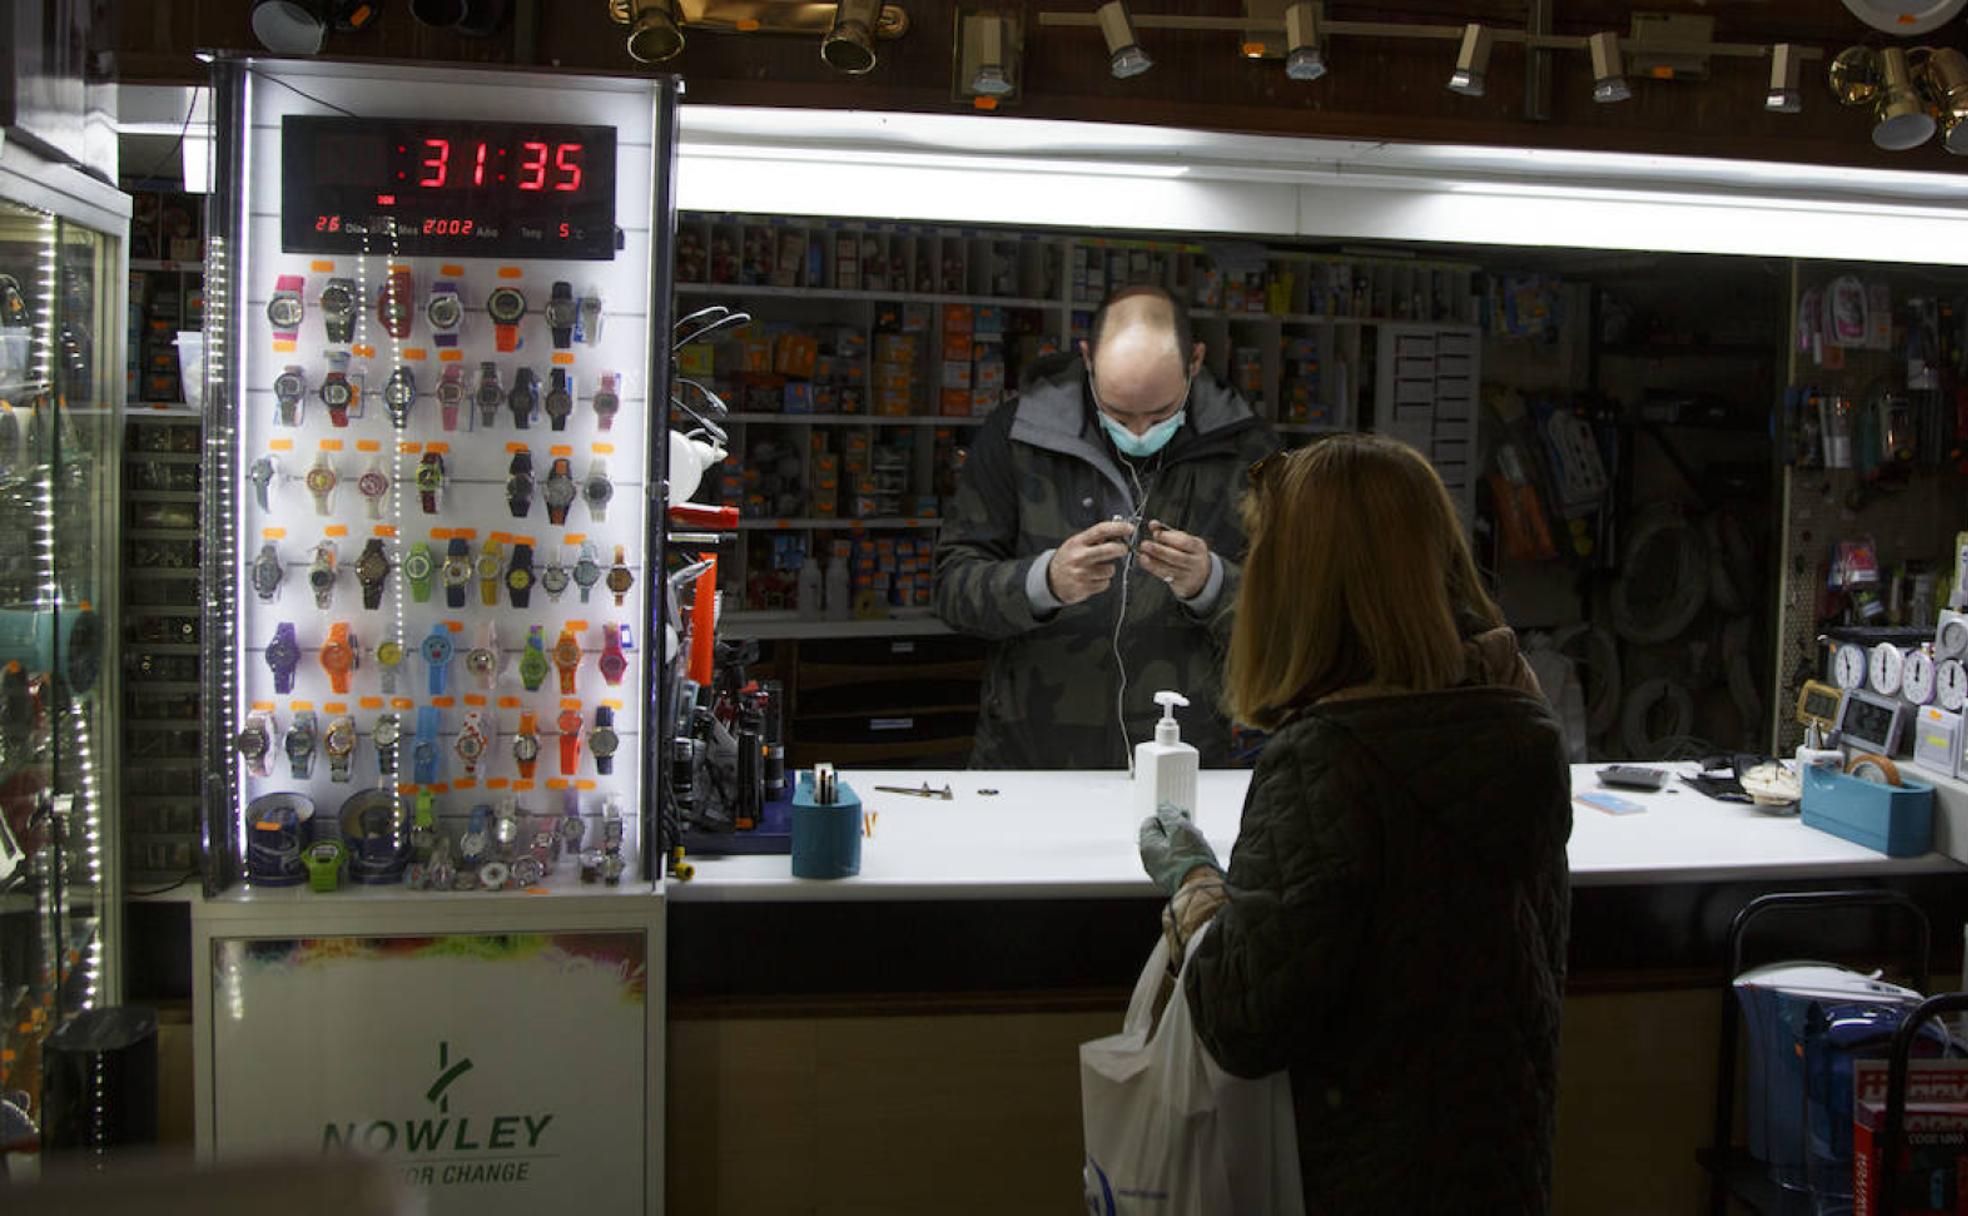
1140	380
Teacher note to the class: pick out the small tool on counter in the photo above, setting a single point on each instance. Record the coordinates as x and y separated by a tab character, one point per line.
923	791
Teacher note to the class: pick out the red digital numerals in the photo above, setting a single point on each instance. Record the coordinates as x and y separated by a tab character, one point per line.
449	227
542	166
327	223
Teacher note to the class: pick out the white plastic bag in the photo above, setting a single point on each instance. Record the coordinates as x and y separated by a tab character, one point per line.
1169	1133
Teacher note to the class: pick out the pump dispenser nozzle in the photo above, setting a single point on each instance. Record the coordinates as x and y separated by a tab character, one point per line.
1168	730
1165	766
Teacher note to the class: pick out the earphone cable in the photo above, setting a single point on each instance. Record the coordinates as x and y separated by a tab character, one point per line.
1120	617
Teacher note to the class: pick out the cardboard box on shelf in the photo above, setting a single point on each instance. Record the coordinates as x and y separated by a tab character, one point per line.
795	354
956	374
895	348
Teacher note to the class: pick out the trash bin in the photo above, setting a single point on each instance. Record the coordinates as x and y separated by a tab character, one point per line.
99	1082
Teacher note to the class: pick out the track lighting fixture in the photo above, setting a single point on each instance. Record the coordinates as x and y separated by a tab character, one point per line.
478	18
850	42
987	58
1305	53
655	30
1784	96
1472	61
1943	76
1608	68
1901	120
1125	58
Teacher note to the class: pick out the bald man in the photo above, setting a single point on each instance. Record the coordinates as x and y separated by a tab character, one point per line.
1095	541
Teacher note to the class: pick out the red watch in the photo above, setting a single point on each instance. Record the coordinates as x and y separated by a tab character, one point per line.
570	741
612	663
395	303
567	657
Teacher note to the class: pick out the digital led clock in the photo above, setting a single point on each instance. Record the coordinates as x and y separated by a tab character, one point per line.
447	188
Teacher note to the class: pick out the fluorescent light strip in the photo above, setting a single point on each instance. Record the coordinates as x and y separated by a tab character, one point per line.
931	160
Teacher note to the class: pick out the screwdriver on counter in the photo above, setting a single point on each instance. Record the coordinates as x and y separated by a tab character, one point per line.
923	791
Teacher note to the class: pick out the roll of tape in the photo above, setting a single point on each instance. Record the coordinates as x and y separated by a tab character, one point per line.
1867	766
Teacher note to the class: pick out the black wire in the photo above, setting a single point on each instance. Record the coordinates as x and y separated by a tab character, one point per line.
176	146
166	890
309	96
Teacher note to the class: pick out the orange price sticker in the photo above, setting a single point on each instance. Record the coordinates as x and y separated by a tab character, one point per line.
370	702
516	448
613	703
523	540
387	531
451	272
409	448
322	266
508	702
395	267
402	703
274	533
440	788
781	524
336	530
465	533
563	358
556	783
363	352
511	272
439	448
280	445
561	449
300	707
443	702
284	346
584	784
499	538
263	707
522	787
406	789
573	538
334	707
453	355
368	445
474	699
602	449
496	783
578	627
573	703
331	445
415	354
465	783
442	533
454	627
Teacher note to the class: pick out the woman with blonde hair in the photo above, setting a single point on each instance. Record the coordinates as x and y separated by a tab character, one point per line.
1392	926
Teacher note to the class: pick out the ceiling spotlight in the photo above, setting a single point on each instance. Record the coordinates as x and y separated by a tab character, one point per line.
1305	56
1901	120
1943	74
1472	61
1608	70
987	63
655	30
479	18
1125	57
850	42
290	27
1784	96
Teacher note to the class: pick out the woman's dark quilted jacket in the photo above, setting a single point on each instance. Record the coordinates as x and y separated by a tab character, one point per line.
1395	936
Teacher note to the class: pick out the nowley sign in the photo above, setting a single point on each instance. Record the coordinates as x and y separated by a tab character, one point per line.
449	1150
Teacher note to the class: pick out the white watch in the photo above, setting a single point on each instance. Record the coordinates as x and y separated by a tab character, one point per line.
321	480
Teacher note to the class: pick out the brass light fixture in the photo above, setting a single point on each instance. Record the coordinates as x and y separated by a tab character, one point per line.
1472	61
1883	79
1943	76
1305	52
1608	68
850	42
1784	96
987	60
655	30
1125	58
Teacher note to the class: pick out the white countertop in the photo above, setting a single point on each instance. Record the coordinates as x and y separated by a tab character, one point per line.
1071	835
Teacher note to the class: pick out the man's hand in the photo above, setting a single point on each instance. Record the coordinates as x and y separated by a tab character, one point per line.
1177	558
1084	565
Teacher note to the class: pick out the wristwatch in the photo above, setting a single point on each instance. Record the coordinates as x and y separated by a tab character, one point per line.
572	826
525	398
569	723
556	577
561	314
338	309
288	389
399	394
384	734
436	649
255	742
299	745
619	578
567	658
321	481
450	395
587	330
283	656
491	564
372	571
13	305
483	660
418	568
268	572
430	481
597	489
470	744
489	396
528	870
587	569
396	303
560	398
613	663
323	860
337	392
559	491
446	314
374	486
526	744
507	306
339	743
603	741
533	659
286	310
457	572
426	845
519	484
474	842
340	655
519	576
505	826
423	752
389	657
607	400
321	575
264	470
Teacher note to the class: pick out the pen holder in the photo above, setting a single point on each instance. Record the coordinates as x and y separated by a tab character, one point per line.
826	839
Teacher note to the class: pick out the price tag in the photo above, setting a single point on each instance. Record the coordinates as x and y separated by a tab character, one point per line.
556	783
368	445
563	358
516	448
584	784
578	626
402	703
440	788
522	787
395	267
336	530
334	707
262	707
415	354
284	346
451	272
443	702
439	448
322	266
386	531
273	533
454	355
363	352
280	445
511	272
508	702
573	703
573	538
407	790
442	533
409	448
300	707
613	703
454	627
497	783
523	540
370	702
499	538
561	449
331	445
465	783
602	449
475	700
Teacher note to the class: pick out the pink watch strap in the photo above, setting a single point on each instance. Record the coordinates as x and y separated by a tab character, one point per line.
286	283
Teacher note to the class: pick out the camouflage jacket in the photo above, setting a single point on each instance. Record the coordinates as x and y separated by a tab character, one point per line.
1039	471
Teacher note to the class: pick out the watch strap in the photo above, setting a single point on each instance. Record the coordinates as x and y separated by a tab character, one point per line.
522	559
284	285
563	335
445	338
447	403
570	749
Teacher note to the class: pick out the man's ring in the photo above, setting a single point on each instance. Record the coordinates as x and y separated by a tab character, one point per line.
1169	579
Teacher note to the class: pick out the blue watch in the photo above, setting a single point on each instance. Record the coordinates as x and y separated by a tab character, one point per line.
472	845
436	650
424	753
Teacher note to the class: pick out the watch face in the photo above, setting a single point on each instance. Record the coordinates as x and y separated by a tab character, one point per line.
288	387
437	650
519	578
337	393
528	871
620	580
430	476
560	312
399	392
599	490
1850	666
390	653
481	660
471	746
559	491
252	742
372	567
299	743
321	577
1951	685
490	396
320	479
569	722
555	579
559	402
606	402
325	852
1885	668
445	311
488	565
388	730
526	748
519	485
336	302
283	652
285	312
506	305
613	665
457	571
417	566
335	656
266	575
603	741
451	393
372	484
1917	678
587	572
341	739
567	652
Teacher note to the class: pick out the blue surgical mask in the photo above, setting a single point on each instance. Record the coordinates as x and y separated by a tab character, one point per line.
1154	440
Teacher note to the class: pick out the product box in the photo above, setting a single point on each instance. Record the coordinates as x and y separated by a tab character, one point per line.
958	319
755	351
894	376
697	359
956	373
895	348
954	403
958	348
894	402
799	397
983	401
796	355
1934	1173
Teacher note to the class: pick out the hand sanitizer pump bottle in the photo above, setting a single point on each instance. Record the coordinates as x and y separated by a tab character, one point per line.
1165	767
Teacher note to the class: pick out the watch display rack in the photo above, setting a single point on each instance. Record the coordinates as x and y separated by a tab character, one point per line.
430	516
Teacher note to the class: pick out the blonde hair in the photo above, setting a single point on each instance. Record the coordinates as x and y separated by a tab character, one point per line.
1358	573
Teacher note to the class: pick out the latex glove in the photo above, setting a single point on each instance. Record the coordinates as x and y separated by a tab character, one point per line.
1171	846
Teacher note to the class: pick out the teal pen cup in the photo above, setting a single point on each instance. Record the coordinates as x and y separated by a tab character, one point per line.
826	839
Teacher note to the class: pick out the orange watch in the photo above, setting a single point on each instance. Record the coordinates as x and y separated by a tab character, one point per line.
569	723
526	745
567	657
338	656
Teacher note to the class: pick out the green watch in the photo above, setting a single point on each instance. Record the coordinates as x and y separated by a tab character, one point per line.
323	860
418	568
533	660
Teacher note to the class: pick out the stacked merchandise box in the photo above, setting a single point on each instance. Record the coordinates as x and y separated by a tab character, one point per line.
898	349
1302	400
889	572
